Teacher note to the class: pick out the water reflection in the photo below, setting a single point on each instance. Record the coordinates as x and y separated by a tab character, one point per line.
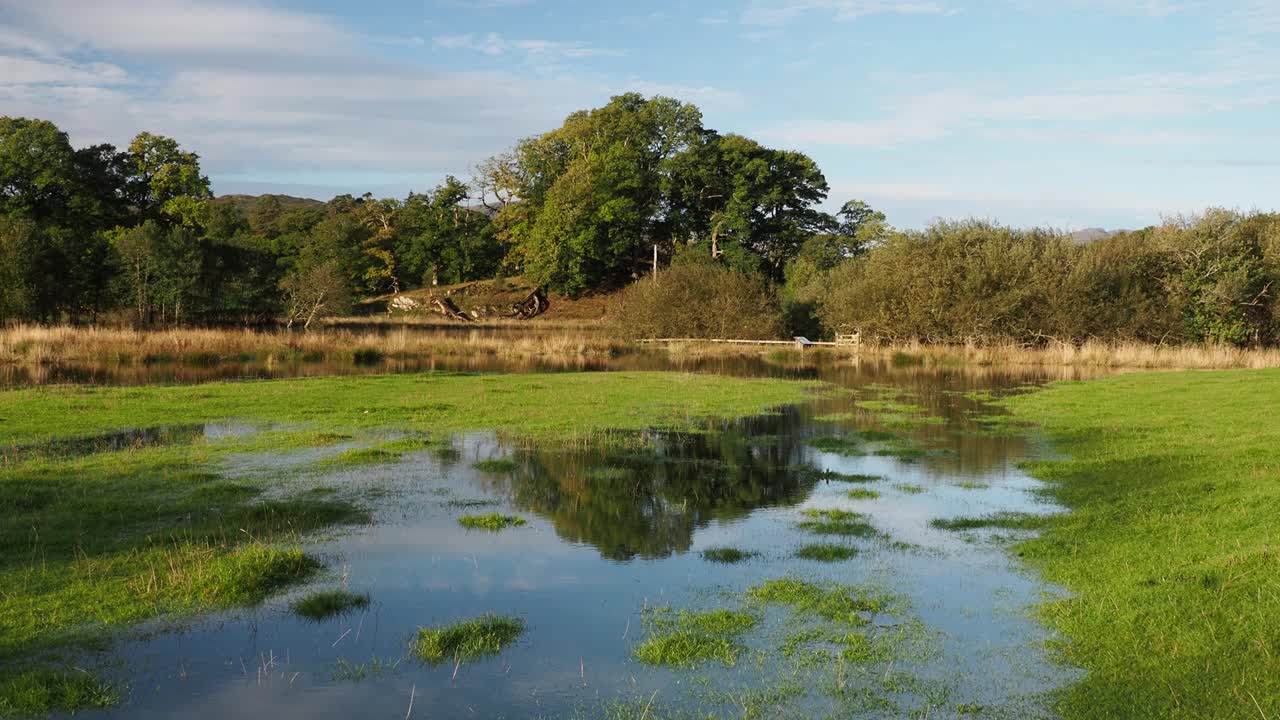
648	499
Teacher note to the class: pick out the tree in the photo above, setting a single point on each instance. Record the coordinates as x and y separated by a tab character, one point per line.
160	270
17	240
748	203
37	170
442	240
381	270
314	291
590	200
167	182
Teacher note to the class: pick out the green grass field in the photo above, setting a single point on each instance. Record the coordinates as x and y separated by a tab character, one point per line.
94	540
1172	546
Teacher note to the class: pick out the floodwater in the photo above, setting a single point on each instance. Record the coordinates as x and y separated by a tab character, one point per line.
614	534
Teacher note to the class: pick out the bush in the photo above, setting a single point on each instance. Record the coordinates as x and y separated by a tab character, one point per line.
1210	278
699	298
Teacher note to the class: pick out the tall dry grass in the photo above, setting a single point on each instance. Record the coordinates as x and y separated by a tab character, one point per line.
29	344
39	345
1092	354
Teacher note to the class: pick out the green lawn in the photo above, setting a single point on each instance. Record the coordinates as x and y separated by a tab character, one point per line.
1172	546
92	541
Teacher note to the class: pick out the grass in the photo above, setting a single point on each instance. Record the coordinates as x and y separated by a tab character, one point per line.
38	693
1169	550
826	552
1001	521
346	671
837	522
837	444
325	604
833	476
490	521
840	603
466	641
911	489
542	406
495	466
686	639
96	538
862	494
361	456
727	555
116	347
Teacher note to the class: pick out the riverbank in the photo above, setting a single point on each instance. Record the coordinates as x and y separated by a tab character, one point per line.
1170	550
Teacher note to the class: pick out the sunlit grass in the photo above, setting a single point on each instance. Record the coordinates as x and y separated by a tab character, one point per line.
325	604
470	640
490	521
1169	549
837	522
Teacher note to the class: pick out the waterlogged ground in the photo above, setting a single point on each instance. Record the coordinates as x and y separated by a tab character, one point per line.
607	573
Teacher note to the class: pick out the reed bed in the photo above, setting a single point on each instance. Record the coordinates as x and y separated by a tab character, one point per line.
41	345
29	344
1091	354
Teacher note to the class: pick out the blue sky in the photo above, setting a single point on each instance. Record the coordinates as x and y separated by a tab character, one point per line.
1070	113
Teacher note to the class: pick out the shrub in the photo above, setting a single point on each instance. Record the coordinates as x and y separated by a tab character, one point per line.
699	298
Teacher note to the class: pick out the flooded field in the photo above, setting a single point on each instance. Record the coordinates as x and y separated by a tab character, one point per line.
829	559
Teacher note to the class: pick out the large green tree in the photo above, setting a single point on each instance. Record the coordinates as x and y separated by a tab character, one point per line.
754	205
590	193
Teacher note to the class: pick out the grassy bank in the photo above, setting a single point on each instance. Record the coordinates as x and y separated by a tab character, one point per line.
99	534
1171	549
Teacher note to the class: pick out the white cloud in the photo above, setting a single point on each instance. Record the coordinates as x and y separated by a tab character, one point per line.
31	71
490	44
181	27
778	12
493	44
704	96
263	93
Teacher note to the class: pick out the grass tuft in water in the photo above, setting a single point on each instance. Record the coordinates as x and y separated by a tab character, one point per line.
495	466
837	522
863	494
347	671
490	521
361	456
685	639
1002	521
329	603
838	444
910	489
727	555
846	604
481	637
826	552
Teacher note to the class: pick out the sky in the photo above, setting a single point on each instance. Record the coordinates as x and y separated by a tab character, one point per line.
1062	113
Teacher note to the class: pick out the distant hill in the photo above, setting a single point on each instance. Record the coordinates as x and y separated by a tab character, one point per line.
1088	235
244	203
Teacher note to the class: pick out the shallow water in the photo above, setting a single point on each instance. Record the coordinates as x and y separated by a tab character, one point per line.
616	531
